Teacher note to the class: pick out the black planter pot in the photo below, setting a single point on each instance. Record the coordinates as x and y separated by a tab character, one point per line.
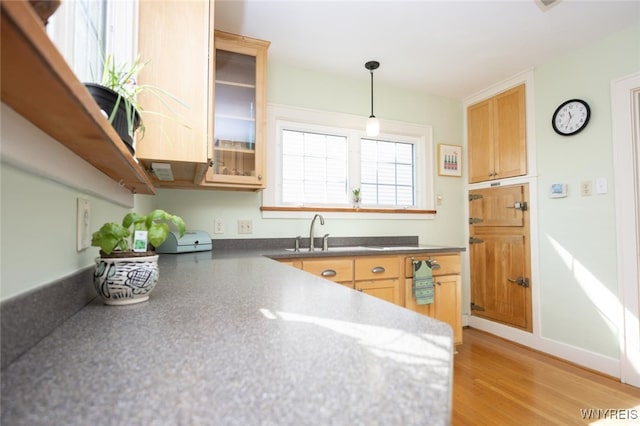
106	100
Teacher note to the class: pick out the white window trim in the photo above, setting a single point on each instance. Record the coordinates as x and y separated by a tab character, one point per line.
279	115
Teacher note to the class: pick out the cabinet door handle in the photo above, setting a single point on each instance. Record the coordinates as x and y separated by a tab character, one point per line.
378	270
329	273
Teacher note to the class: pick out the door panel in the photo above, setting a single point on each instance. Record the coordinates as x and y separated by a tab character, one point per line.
509	134
480	144
496	206
499	256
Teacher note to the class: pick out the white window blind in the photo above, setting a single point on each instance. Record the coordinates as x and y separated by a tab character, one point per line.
387	173
317	158
314	168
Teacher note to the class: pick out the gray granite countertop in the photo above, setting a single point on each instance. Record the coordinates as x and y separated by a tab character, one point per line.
229	339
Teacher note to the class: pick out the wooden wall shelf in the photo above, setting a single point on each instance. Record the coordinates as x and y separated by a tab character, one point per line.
37	83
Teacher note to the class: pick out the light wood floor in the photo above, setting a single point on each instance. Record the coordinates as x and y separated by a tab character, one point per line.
497	382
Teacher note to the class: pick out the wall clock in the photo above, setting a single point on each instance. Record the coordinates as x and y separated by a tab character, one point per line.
571	117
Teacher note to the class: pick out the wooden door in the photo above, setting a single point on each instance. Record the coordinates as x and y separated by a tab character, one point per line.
179	63
447	303
480	137
509	135
388	290
490	207
500	256
500	297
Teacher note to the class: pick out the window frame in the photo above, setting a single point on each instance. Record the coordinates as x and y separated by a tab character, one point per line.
280	117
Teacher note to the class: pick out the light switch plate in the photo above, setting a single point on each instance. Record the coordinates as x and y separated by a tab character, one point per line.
83	225
601	186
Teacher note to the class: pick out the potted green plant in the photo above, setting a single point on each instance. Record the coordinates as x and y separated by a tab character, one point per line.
127	269
117	95
356	197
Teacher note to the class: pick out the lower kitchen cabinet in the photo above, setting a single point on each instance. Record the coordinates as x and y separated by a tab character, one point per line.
382	289
391	278
447	303
379	276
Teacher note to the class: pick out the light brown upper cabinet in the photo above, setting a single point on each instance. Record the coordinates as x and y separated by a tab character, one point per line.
219	140
497	141
240	113
175	38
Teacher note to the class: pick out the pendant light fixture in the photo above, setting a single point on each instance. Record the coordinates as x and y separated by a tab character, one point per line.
373	125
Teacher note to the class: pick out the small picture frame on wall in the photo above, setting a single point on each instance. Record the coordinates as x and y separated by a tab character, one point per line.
449	160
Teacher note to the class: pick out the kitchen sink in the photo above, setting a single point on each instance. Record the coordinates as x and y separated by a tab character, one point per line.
360	248
391	248
332	249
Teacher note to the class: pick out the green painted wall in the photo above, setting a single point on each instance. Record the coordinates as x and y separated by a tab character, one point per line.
38	225
577	248
312	90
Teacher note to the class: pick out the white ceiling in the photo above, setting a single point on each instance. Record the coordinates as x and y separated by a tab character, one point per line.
450	48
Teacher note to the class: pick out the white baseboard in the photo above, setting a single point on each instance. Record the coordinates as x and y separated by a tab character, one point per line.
582	357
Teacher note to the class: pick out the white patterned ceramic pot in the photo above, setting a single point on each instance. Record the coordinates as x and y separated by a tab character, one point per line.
123	281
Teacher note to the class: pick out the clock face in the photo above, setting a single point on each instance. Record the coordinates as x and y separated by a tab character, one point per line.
571	117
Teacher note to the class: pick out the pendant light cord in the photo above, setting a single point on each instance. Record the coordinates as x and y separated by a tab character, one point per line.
371	72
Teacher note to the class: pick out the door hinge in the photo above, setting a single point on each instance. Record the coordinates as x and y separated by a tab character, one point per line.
474	240
475	307
475	197
473	220
521	281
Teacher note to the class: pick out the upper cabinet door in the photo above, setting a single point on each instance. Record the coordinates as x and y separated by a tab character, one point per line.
510	140
497	142
480	138
238	150
175	37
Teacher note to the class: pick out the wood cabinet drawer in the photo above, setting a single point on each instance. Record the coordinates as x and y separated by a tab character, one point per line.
373	268
336	269
449	263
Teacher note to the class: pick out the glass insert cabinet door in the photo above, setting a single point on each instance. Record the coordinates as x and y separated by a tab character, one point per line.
240	108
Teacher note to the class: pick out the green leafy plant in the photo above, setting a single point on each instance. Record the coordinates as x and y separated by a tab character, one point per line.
112	236
121	78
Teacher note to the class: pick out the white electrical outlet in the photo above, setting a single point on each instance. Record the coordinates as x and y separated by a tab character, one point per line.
218	226
83	231
245	226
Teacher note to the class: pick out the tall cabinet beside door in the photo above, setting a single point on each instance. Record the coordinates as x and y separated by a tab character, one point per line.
240	113
499	253
497	142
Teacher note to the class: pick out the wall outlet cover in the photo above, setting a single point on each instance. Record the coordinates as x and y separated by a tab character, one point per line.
83	223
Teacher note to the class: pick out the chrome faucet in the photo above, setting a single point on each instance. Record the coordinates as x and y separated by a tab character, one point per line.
313	221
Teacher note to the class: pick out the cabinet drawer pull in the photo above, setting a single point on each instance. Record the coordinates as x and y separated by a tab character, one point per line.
329	273
378	270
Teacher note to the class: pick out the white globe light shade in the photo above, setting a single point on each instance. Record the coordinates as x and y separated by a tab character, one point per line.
373	126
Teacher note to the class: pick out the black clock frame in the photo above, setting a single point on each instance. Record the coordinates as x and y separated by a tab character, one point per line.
581	128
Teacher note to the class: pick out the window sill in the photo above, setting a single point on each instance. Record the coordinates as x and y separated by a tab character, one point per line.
272	212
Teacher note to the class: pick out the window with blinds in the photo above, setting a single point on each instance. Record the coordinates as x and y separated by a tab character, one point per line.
314	168
387	173
318	158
